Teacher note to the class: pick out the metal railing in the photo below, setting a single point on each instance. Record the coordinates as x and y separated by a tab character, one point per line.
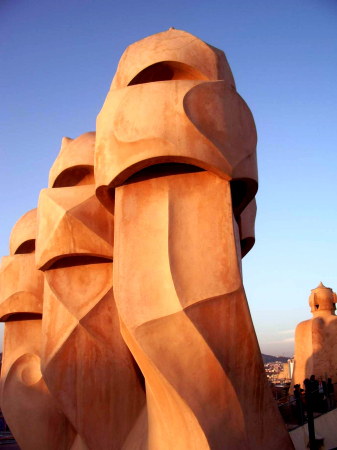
309	405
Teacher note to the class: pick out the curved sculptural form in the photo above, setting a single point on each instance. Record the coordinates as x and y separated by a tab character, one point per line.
176	163
172	202
32	414
85	362
316	339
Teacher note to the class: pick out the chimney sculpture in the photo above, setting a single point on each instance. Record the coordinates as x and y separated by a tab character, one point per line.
172	202
85	362
31	412
315	339
176	163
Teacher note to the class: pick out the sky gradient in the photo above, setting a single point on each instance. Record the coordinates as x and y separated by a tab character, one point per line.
57	63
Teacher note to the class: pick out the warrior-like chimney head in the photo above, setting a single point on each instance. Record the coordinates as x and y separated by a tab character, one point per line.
322	299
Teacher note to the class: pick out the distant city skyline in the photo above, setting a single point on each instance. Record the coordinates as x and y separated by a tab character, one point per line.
58	62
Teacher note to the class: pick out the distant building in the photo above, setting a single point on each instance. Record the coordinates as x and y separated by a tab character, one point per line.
291	367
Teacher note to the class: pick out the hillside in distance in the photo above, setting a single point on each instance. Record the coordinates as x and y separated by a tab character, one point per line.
270	358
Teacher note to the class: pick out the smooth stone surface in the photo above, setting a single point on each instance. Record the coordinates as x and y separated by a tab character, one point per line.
185	318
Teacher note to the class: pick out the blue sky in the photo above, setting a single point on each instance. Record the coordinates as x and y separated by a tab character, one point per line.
57	63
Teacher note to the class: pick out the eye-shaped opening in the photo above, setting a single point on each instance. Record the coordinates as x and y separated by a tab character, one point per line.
77	260
165	71
162	170
26	247
75	176
17	317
